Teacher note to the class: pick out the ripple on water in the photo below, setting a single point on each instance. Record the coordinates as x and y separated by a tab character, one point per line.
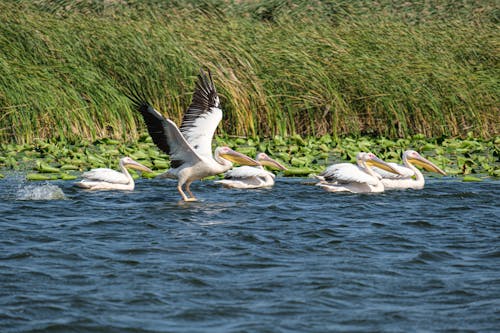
419	224
430	257
16	256
490	254
290	259
319	233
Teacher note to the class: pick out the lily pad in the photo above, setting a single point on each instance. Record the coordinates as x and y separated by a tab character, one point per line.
298	172
150	175
139	155
161	164
65	176
471	179
69	167
45	168
249	151
299	161
40	176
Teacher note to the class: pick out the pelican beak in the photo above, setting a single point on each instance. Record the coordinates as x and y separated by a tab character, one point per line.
138	166
426	164
375	161
239	158
267	161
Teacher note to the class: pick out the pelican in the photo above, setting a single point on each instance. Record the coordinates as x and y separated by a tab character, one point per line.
190	147
108	179
360	178
408	171
252	177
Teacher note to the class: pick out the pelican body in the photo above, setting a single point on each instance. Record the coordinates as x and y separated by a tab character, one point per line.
190	147
108	179
252	177
410	177
355	178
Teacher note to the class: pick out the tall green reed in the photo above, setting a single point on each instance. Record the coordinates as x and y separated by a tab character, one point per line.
281	67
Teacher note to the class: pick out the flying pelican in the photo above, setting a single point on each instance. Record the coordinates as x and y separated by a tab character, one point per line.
408	171
108	179
190	147
360	178
252	177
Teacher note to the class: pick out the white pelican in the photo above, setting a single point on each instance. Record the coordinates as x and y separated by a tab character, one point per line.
190	148
108	179
360	178
252	177
408	171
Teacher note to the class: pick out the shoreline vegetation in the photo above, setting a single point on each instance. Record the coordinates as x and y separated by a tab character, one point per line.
471	159
311	83
345	70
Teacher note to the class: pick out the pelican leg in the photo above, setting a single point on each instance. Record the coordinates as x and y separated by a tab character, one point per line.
189	192
184	196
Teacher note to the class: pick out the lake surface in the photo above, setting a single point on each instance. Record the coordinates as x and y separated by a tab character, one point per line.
289	259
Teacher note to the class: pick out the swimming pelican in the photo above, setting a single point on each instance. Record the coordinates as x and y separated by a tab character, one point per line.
252	177
108	179
190	148
408	171
360	178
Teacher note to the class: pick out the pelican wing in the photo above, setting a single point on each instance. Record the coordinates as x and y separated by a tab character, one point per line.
167	137
203	116
330	172
345	173
404	171
246	172
105	175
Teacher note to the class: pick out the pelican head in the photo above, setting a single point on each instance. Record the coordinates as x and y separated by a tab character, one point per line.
415	158
228	154
265	160
130	163
371	160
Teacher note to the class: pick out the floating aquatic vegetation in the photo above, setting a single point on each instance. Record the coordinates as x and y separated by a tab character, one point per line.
304	155
471	179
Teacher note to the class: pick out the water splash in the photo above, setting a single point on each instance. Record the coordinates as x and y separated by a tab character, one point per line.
40	192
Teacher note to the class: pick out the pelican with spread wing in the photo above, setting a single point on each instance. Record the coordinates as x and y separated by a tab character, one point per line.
190	147
355	178
410	176
108	179
252	177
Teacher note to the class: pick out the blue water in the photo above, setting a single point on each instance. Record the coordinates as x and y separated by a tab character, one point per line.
288	259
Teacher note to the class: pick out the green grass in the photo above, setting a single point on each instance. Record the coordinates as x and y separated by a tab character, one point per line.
342	68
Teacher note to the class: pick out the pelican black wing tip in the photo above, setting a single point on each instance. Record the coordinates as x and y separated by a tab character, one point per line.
138	98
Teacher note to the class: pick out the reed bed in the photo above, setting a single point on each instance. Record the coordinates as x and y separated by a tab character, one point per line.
343	68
